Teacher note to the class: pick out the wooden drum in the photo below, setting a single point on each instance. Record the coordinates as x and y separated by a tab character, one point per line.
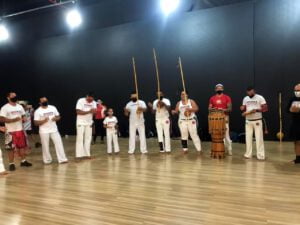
217	129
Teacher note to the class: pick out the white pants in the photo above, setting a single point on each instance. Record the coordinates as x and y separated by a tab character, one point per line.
257	127
227	140
189	127
163	132
58	145
140	127
2	169
83	140
112	138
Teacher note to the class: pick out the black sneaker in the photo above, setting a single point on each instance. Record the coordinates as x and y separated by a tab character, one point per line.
12	167
25	164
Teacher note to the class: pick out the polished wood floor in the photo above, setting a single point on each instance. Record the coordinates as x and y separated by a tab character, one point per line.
154	189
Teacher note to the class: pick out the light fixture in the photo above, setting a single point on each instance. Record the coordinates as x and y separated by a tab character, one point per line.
73	18
4	34
169	6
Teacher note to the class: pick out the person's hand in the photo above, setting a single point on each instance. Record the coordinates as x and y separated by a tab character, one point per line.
46	119
139	110
173	112
93	111
150	105
17	119
54	119
294	109
160	104
3	129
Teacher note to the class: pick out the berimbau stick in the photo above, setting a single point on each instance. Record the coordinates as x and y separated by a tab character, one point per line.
182	77
135	79
157	73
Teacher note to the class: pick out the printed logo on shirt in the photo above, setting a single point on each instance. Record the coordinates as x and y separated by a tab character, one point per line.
15	113
48	114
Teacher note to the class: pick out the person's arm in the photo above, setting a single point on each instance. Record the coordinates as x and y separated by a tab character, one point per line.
210	104
104	123
152	107
142	107
41	122
126	110
176	110
263	106
194	108
6	120
57	116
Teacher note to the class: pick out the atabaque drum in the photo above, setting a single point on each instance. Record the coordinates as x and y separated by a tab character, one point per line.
217	129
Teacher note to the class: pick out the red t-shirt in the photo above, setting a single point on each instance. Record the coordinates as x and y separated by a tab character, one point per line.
100	113
220	101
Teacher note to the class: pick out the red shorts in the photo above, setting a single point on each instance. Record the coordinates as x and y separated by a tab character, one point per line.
18	139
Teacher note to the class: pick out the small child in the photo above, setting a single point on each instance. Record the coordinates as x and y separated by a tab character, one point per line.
2	169
111	124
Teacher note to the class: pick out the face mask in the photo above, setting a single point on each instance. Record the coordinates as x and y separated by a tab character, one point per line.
297	94
219	92
161	98
251	96
44	104
134	99
14	99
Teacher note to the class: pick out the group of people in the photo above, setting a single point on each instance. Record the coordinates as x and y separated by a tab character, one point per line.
46	116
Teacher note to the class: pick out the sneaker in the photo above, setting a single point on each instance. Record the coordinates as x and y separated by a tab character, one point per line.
25	164
12	167
161	151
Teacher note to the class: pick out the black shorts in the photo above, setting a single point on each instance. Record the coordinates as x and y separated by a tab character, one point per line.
29	132
295	132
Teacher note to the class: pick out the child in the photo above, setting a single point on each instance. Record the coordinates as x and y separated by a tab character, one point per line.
111	124
2	169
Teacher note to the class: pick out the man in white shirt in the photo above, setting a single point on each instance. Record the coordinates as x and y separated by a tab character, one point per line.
85	109
253	107
135	110
46	117
161	108
12	114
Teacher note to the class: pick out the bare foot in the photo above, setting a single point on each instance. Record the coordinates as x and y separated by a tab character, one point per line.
4	173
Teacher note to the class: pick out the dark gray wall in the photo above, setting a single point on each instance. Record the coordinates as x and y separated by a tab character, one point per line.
237	45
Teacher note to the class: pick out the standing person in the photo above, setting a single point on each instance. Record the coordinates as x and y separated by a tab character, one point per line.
12	114
161	108
222	102
27	124
2	168
111	124
46	117
253	107
99	118
135	110
85	109
294	110
187	123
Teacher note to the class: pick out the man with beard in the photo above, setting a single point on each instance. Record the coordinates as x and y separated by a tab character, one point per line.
85	109
12	114
161	108
135	110
222	102
253	107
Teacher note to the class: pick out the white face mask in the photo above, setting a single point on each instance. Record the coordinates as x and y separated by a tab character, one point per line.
297	94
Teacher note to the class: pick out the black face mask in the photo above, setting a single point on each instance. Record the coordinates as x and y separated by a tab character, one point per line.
14	99
219	92
134	99
161	97
44	103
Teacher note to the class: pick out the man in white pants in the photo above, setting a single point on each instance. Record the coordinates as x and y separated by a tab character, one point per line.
187	121
161	108
222	102
2	168
85	109
135	110
46	117
253	107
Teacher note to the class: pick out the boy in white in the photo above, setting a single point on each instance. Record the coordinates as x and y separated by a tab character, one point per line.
253	107
85	109
46	117
111	124
161	107
135	110
187	121
2	168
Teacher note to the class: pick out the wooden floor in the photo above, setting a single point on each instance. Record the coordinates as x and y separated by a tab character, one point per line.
154	189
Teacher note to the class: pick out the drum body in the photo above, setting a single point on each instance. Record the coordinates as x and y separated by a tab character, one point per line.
217	129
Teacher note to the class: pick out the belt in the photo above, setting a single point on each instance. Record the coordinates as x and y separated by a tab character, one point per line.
187	119
255	119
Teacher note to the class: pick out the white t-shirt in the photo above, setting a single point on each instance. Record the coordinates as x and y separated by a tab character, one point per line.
254	103
43	113
85	106
162	112
182	109
11	112
111	122
132	108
